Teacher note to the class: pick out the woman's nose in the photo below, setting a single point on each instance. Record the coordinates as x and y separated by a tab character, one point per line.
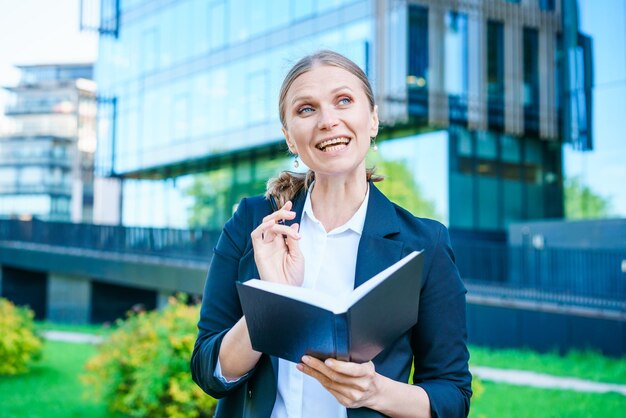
327	118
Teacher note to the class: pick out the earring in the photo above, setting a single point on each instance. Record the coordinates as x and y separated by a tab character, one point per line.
296	164
374	146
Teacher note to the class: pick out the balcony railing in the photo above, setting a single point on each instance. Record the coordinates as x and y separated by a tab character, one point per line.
45	160
194	244
36	188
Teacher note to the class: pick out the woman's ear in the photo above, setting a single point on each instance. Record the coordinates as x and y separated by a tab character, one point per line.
374	122
290	144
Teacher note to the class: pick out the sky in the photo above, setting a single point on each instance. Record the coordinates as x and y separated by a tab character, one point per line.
604	169
42	31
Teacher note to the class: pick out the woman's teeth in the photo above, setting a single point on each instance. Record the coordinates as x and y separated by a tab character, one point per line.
334	144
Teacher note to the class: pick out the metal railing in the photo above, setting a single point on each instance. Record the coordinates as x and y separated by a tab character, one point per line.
193	244
559	275
582	277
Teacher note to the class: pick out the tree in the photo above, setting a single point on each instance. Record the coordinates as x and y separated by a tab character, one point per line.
401	188
583	203
216	193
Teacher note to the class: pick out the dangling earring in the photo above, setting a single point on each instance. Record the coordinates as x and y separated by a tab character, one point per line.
296	164
374	146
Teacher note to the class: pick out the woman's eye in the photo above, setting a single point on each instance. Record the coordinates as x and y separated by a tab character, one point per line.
345	101
305	109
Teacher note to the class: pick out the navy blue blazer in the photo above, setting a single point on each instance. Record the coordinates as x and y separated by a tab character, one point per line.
436	344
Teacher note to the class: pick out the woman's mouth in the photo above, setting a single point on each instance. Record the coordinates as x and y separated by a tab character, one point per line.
333	144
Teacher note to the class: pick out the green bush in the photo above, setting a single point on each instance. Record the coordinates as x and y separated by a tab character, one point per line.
142	368
19	345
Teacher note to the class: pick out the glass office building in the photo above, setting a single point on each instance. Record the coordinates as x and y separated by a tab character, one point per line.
468	94
47	154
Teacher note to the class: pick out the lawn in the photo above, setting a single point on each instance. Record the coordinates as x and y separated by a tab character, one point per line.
52	388
506	401
581	364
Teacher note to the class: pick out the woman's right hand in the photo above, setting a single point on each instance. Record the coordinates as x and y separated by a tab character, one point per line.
276	249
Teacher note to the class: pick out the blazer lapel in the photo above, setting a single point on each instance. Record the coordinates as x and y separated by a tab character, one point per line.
298	206
377	248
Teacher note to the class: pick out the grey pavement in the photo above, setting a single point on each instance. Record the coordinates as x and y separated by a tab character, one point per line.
72	337
509	376
539	380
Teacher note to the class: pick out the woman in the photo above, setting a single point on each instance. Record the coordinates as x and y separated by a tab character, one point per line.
333	230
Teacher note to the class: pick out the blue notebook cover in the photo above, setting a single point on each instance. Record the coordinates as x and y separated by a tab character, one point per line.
289	322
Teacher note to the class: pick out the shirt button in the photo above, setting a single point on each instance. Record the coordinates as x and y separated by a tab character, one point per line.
250	393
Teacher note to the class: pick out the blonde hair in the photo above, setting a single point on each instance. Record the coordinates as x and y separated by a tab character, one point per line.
288	184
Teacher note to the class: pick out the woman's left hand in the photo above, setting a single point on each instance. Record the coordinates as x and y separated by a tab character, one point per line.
354	385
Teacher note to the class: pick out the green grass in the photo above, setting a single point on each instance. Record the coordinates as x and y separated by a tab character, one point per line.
51	389
581	364
504	401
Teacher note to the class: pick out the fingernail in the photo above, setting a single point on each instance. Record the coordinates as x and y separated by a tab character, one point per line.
328	362
299	367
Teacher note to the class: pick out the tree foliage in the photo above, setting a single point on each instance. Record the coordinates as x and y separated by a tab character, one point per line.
401	187
19	344
142	369
583	203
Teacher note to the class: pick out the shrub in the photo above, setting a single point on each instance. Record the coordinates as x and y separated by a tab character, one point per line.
142	368
19	345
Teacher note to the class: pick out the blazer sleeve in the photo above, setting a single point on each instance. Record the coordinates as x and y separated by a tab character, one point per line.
220	308
439	340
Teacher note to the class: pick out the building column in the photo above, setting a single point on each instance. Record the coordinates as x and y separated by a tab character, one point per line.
390	59
513	78
477	70
162	298
548	116
69	299
107	201
437	95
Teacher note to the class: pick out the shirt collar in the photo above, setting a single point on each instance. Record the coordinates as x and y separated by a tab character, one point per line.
355	223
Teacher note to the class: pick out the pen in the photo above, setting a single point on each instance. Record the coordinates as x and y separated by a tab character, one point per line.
275	208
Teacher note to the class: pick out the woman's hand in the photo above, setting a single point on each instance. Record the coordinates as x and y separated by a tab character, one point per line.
357	385
354	385
276	250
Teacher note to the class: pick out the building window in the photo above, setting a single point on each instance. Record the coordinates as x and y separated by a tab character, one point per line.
456	65
417	78
257	96
495	74
217	24
547	5
531	80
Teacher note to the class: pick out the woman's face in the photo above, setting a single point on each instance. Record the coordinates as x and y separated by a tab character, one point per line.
328	121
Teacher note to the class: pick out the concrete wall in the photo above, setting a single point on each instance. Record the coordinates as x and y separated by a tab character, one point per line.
585	234
545	328
69	299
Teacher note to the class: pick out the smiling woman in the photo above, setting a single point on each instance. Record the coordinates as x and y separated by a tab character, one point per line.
332	230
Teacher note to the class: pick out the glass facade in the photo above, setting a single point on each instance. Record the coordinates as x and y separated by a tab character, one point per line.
175	104
189	91
502	179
